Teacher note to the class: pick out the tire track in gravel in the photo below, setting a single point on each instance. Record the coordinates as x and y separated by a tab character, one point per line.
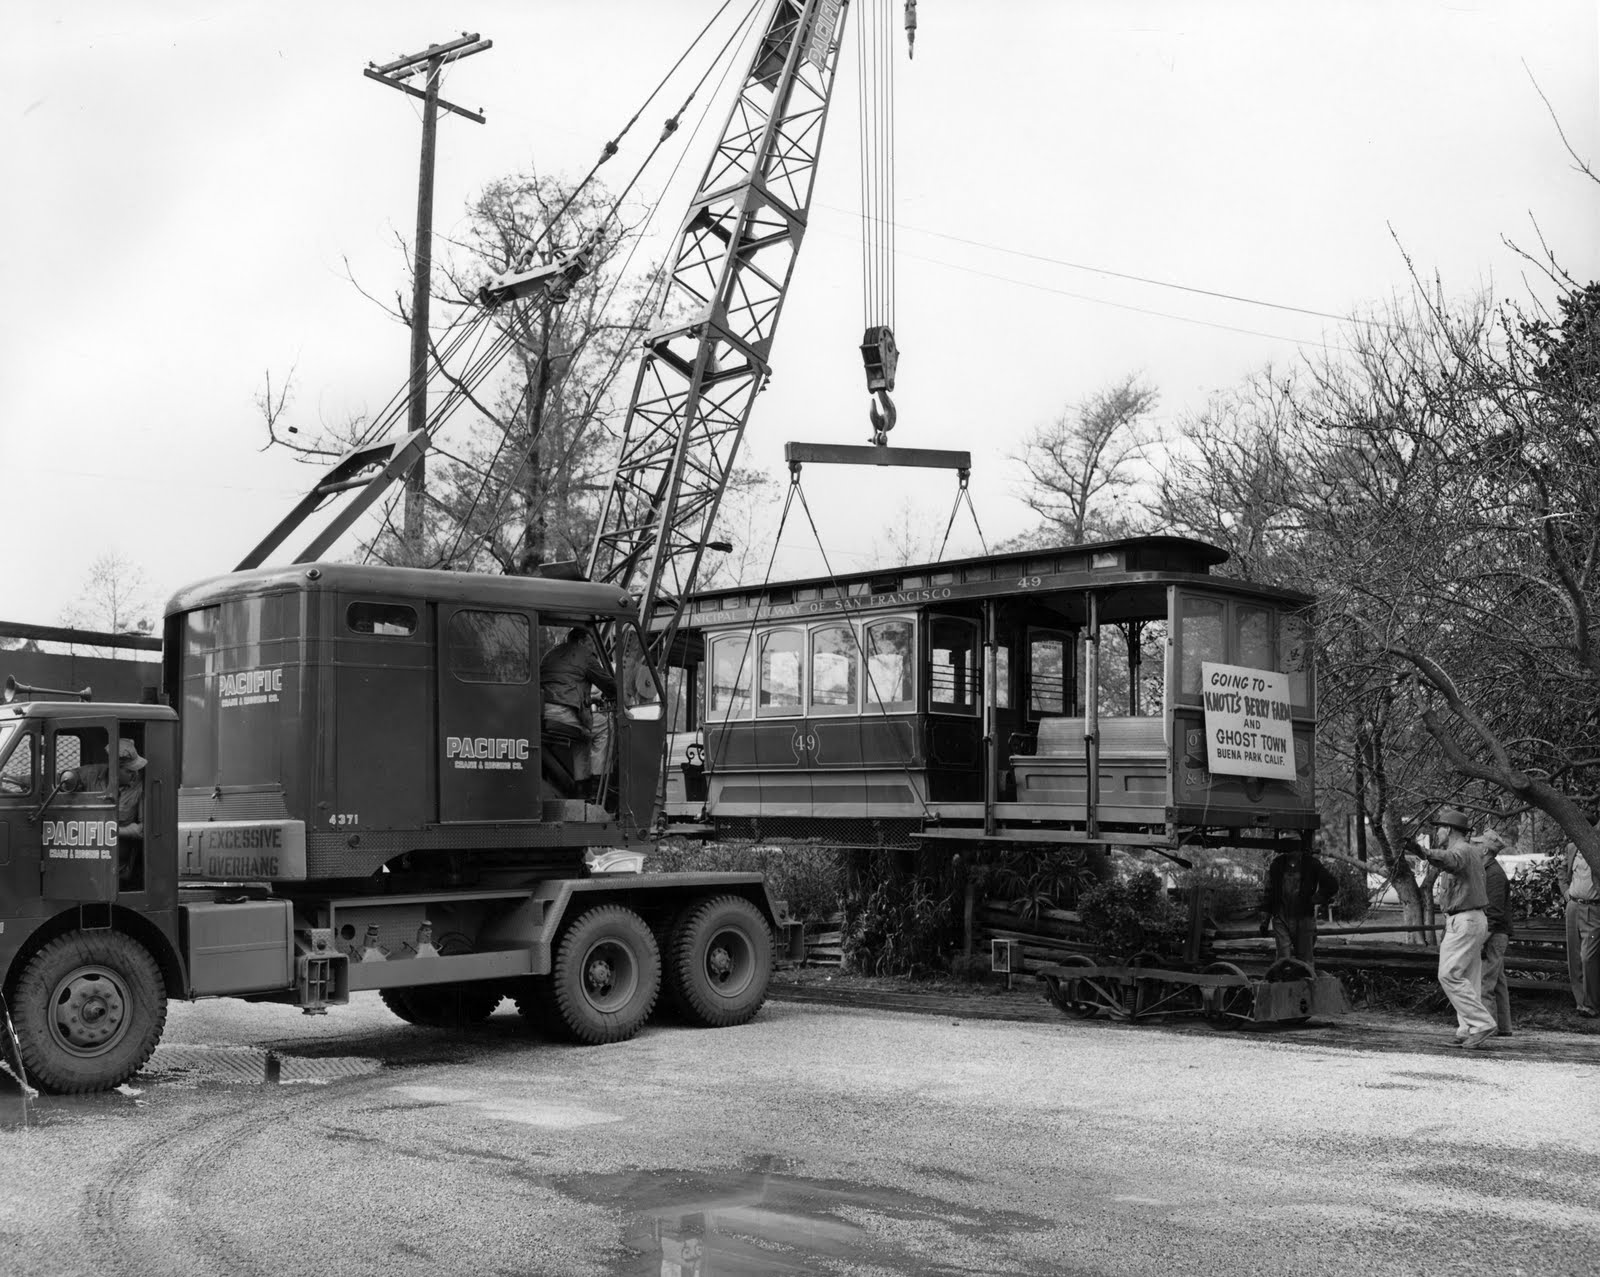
155	1209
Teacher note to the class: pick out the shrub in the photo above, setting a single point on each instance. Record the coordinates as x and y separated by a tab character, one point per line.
1536	890
809	878
901	924
1353	900
1123	916
1037	880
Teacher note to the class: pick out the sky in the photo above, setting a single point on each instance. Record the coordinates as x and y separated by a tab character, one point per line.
193	187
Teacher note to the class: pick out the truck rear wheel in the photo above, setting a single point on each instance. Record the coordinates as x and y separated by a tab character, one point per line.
445	1006
89	1010
721	962
606	975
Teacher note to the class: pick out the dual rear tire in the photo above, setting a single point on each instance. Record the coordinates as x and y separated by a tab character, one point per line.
609	971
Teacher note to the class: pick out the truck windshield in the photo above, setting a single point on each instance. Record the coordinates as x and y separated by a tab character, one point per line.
16	758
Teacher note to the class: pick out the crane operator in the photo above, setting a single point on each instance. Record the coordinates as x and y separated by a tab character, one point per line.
566	674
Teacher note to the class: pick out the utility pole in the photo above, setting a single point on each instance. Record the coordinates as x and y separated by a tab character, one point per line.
394	74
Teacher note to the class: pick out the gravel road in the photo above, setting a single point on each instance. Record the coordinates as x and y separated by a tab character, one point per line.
817	1139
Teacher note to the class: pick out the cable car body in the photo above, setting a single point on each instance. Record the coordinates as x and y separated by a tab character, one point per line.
1052	696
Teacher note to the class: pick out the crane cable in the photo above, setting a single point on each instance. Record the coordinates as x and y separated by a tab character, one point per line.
755	619
962	492
388	417
875	143
866	665
647	296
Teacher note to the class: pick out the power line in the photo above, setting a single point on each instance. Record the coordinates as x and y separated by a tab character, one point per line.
1101	301
1140	279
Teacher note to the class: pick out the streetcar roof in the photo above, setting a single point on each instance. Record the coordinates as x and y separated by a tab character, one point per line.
1145	560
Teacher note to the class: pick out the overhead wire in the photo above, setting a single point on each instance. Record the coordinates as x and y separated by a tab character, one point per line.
625	350
477	319
1101	301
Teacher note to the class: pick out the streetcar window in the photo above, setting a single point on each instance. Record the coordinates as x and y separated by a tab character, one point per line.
1252	637
834	665
1047	673
490	647
1294	657
730	677
889	650
1001	691
953	656
1200	634
781	655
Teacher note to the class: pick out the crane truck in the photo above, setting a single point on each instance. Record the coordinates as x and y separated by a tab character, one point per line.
348	781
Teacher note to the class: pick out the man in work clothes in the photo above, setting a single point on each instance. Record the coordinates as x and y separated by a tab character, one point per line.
1462	897
1297	882
1497	891
565	677
1583	931
130	806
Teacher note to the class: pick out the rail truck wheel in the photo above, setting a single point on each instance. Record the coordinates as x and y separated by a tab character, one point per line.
89	1010
1067	993
445	1006
1227	1006
606	975
721	960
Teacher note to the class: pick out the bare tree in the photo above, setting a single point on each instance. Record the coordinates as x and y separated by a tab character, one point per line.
115	598
514	485
1081	464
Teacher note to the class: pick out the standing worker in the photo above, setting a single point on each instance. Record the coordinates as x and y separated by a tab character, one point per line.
1497	891
565	675
1583	930
1462	896
1297	882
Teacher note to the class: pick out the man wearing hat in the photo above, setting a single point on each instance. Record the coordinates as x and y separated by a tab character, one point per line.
92	777
130	790
1463	898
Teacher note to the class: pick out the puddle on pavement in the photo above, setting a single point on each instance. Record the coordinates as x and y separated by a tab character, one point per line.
176	1065
762	1220
186	1063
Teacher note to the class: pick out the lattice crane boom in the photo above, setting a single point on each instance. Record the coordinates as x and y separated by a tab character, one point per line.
708	357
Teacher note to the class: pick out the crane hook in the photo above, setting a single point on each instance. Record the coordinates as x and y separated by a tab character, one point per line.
883	414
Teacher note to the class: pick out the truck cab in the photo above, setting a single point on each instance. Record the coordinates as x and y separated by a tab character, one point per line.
89	918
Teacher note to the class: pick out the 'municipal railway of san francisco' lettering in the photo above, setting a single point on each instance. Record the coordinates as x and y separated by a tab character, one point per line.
900	598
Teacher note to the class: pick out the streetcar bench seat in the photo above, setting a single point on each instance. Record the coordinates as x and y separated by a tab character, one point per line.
1131	738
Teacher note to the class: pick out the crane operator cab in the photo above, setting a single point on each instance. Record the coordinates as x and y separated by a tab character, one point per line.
360	718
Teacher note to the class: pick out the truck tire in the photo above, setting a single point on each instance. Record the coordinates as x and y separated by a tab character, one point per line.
606	976
445	1006
537	1006
89	1010
721	962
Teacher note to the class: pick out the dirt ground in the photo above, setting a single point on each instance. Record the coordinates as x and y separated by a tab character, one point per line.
1405	1015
